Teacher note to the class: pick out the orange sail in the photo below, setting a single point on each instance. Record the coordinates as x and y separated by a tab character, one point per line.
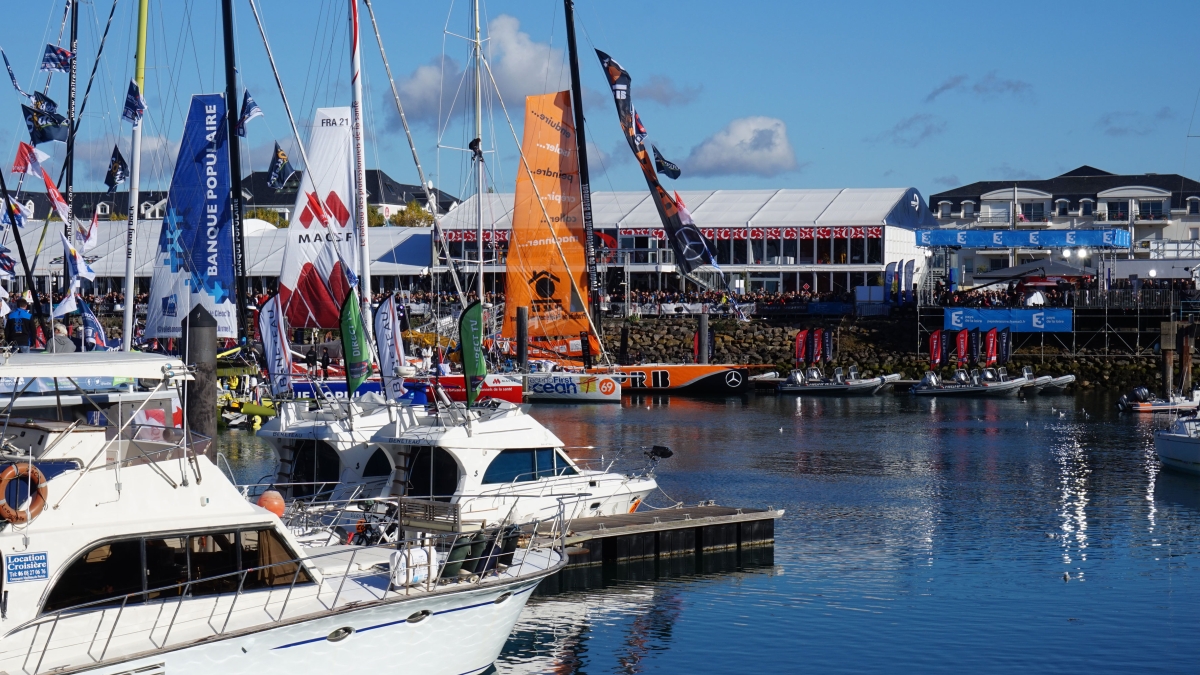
547	270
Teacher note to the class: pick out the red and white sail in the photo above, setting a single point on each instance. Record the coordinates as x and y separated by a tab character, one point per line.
320	260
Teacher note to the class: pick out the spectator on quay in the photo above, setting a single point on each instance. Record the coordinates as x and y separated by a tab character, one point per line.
18	330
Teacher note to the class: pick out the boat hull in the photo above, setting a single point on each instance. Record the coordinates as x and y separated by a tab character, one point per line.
853	388
691	379
1000	390
1178	452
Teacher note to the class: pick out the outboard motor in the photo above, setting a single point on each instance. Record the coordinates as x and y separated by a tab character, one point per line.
1142	395
1123	403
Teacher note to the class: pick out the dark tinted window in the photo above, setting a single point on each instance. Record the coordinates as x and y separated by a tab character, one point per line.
434	473
265	553
562	466
166	566
211	555
545	462
106	571
378	465
511	465
314	463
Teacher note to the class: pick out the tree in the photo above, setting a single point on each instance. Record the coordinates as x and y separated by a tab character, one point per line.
375	217
271	216
413	215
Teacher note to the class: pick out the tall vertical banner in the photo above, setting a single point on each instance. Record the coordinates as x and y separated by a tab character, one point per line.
945	361
272	328
320	257
907	284
974	346
818	343
962	341
193	264
470	341
690	248
356	351
389	338
801	347
827	345
935	349
1005	346
990	347
889	281
547	266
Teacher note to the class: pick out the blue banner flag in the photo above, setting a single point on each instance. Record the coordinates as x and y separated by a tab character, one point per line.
1112	238
135	105
12	76
663	165
93	332
194	261
44	103
1031	320
57	59
45	126
250	110
280	171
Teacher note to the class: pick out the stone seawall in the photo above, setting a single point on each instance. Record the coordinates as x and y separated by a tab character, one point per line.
875	346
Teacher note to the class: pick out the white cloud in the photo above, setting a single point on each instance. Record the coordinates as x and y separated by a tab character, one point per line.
750	145
521	67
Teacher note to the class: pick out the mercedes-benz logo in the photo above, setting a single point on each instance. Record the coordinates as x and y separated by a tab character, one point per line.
690	245
733	379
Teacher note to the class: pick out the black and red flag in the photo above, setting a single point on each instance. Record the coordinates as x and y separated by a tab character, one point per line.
818	342
935	349
962	341
1004	345
801	347
974	346
691	250
990	347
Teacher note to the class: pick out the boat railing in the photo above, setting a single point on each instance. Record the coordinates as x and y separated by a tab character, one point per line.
429	563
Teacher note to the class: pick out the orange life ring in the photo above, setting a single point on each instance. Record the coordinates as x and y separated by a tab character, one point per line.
23	471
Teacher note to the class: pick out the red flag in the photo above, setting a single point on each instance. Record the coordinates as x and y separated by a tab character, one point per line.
935	349
29	160
961	340
801	346
989	346
56	198
817	342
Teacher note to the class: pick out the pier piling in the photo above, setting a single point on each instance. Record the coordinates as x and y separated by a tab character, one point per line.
200	394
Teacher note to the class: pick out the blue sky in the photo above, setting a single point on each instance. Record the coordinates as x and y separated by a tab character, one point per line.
751	94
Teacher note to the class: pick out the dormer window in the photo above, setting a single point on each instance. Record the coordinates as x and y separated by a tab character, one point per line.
1193	208
103	209
968	209
1062	207
944	210
1087	207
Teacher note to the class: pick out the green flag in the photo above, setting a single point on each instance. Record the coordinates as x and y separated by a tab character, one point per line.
355	350
470	340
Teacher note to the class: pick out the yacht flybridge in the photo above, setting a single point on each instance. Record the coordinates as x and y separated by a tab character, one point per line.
492	461
126	550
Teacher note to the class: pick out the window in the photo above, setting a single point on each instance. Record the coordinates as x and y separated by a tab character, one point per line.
874	251
739	251
511	466
1033	211
806	251
1194	207
378	465
1086	208
757	247
162	566
724	252
527	465
434	473
103	209
1118	210
264	549
944	210
789	249
1194	233
968	209
857	251
109	570
823	251
1150	210
840	250
314	463
1063	207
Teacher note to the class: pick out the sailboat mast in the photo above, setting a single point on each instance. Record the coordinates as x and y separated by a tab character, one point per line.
585	187
69	227
135	168
360	171
235	169
477	158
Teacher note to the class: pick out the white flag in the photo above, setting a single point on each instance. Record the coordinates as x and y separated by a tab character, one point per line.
388	336
67	305
273	330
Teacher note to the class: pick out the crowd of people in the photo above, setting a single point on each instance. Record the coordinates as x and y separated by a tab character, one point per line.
721	297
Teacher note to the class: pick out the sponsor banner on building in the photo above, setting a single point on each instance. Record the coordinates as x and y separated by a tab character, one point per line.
1113	238
1016	320
742	233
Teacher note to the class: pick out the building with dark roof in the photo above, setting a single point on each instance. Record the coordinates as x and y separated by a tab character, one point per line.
1160	211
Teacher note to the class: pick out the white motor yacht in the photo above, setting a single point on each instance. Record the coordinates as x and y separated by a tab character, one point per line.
126	551
1178	446
489	460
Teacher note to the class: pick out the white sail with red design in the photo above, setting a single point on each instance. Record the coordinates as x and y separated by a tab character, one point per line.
320	259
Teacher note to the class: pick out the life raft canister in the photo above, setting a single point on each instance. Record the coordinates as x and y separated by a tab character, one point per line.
25	472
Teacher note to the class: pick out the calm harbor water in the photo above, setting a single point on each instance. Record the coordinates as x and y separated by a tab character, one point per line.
920	535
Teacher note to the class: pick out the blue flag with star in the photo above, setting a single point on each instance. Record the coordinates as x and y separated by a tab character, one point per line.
194	261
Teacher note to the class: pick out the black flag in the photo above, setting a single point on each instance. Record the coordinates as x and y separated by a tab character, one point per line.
280	170
665	167
45	126
691	250
117	171
44	103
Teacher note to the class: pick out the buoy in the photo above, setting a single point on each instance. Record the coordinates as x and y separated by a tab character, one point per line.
272	501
